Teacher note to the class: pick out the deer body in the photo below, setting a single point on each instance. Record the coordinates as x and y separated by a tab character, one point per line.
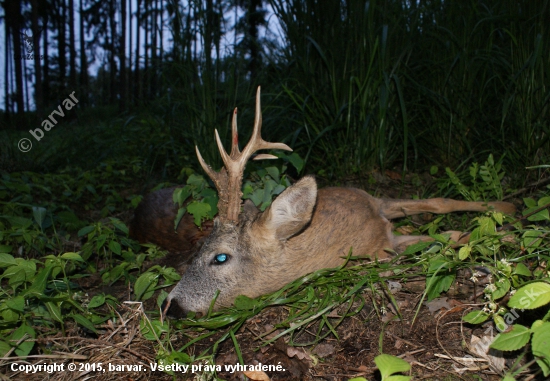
305	229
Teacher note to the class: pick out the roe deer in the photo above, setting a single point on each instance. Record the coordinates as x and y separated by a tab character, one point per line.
253	253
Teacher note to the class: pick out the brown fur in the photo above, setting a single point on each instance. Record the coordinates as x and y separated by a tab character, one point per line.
154	222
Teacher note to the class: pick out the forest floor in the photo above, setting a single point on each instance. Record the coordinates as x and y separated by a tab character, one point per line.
430	336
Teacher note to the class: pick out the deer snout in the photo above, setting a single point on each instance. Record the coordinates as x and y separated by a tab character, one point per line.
170	308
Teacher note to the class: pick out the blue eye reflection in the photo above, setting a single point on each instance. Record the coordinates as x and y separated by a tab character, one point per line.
220	258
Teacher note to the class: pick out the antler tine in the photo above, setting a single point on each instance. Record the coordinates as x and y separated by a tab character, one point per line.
256	142
225	157
234	136
215	176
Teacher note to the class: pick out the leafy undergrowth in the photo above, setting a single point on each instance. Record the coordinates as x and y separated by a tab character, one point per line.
76	289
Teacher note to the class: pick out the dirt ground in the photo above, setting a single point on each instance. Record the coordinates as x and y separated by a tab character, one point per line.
436	343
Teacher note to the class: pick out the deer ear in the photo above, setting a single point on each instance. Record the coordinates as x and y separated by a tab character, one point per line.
291	211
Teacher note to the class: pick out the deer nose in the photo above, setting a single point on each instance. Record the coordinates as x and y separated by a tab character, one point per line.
172	309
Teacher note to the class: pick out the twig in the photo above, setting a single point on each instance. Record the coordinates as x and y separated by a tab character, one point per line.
523	190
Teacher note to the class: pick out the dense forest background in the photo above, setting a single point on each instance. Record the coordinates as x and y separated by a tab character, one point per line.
351	85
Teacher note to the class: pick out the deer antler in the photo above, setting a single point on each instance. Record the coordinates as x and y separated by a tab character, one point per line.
229	179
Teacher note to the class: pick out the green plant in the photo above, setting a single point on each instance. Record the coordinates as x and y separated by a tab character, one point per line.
485	181
388	365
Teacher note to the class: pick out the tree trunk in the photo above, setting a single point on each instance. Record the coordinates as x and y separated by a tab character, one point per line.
154	63
123	56
38	99
7	102
129	96
112	52
146	63
45	67
83	59
13	9
62	46
72	48
137	81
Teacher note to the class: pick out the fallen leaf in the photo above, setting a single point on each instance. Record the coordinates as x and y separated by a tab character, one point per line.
437	304
394	287
324	350
256	375
298	352
480	347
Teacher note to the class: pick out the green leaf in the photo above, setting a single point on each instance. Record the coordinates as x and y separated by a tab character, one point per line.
502	287
296	161
513	340
541	346
476	317
274	173
464	252
417	247
25	347
120	225
85	230
521	269
199	210
55	311
72	257
487	226
529	202
4	249
40	281
179	216
387	365
196	180
4	348
39	213
97	301
7	260
181	194
115	247
213	202
145	284
531	296
16	304
152	329
85	322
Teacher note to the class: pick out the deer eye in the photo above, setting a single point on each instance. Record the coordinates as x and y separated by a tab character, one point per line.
220	259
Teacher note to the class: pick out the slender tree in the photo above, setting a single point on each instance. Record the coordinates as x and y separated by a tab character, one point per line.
13	9
46	65
146	49
61	43
38	98
7	97
72	49
83	60
122	57
154	63
137	81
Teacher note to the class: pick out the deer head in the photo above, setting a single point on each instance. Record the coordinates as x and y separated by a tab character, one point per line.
243	244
